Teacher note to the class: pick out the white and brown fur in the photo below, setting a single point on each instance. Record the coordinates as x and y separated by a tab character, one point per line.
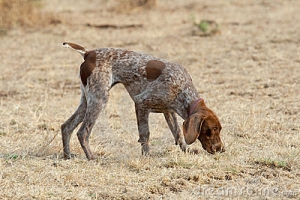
154	84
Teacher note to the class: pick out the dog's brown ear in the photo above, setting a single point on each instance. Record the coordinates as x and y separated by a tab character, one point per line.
191	128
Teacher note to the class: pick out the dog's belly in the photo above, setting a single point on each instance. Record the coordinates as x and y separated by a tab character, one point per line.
155	99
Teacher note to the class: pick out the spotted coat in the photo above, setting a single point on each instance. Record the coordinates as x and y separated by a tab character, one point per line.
154	84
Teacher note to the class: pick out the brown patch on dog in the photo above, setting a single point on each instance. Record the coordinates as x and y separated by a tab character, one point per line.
87	66
154	69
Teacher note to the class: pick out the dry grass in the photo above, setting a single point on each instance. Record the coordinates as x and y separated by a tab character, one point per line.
248	74
131	6
23	13
18	13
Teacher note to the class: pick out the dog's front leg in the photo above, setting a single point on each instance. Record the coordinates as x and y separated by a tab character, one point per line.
142	116
175	129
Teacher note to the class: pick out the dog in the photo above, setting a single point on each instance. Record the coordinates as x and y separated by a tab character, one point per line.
154	84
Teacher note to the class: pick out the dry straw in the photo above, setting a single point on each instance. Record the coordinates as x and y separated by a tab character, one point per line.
249	74
23	13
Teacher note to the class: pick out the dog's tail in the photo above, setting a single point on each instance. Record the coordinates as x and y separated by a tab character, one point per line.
76	47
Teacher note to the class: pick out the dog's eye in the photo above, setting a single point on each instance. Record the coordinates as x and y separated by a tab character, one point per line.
215	129
208	133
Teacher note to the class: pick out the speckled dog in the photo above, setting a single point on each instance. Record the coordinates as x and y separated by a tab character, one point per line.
154	84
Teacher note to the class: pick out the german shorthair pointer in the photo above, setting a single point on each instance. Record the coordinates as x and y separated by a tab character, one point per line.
154	84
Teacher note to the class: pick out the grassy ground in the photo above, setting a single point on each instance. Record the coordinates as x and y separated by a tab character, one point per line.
247	71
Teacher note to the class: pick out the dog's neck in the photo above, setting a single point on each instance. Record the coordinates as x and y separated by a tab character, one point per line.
193	105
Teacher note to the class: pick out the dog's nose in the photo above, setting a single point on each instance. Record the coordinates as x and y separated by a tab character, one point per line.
218	148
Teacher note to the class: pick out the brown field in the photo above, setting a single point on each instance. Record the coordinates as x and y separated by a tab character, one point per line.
248	72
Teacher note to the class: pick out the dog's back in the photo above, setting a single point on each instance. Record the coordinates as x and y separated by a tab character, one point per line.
154	84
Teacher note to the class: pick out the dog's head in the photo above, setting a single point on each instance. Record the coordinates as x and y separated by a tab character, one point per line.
205	126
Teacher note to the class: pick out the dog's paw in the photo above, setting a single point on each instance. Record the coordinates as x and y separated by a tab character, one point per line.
70	156
145	149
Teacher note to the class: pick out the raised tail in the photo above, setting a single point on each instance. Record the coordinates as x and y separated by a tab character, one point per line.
76	47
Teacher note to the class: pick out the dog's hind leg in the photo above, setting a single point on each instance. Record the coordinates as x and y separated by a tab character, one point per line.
68	127
97	93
